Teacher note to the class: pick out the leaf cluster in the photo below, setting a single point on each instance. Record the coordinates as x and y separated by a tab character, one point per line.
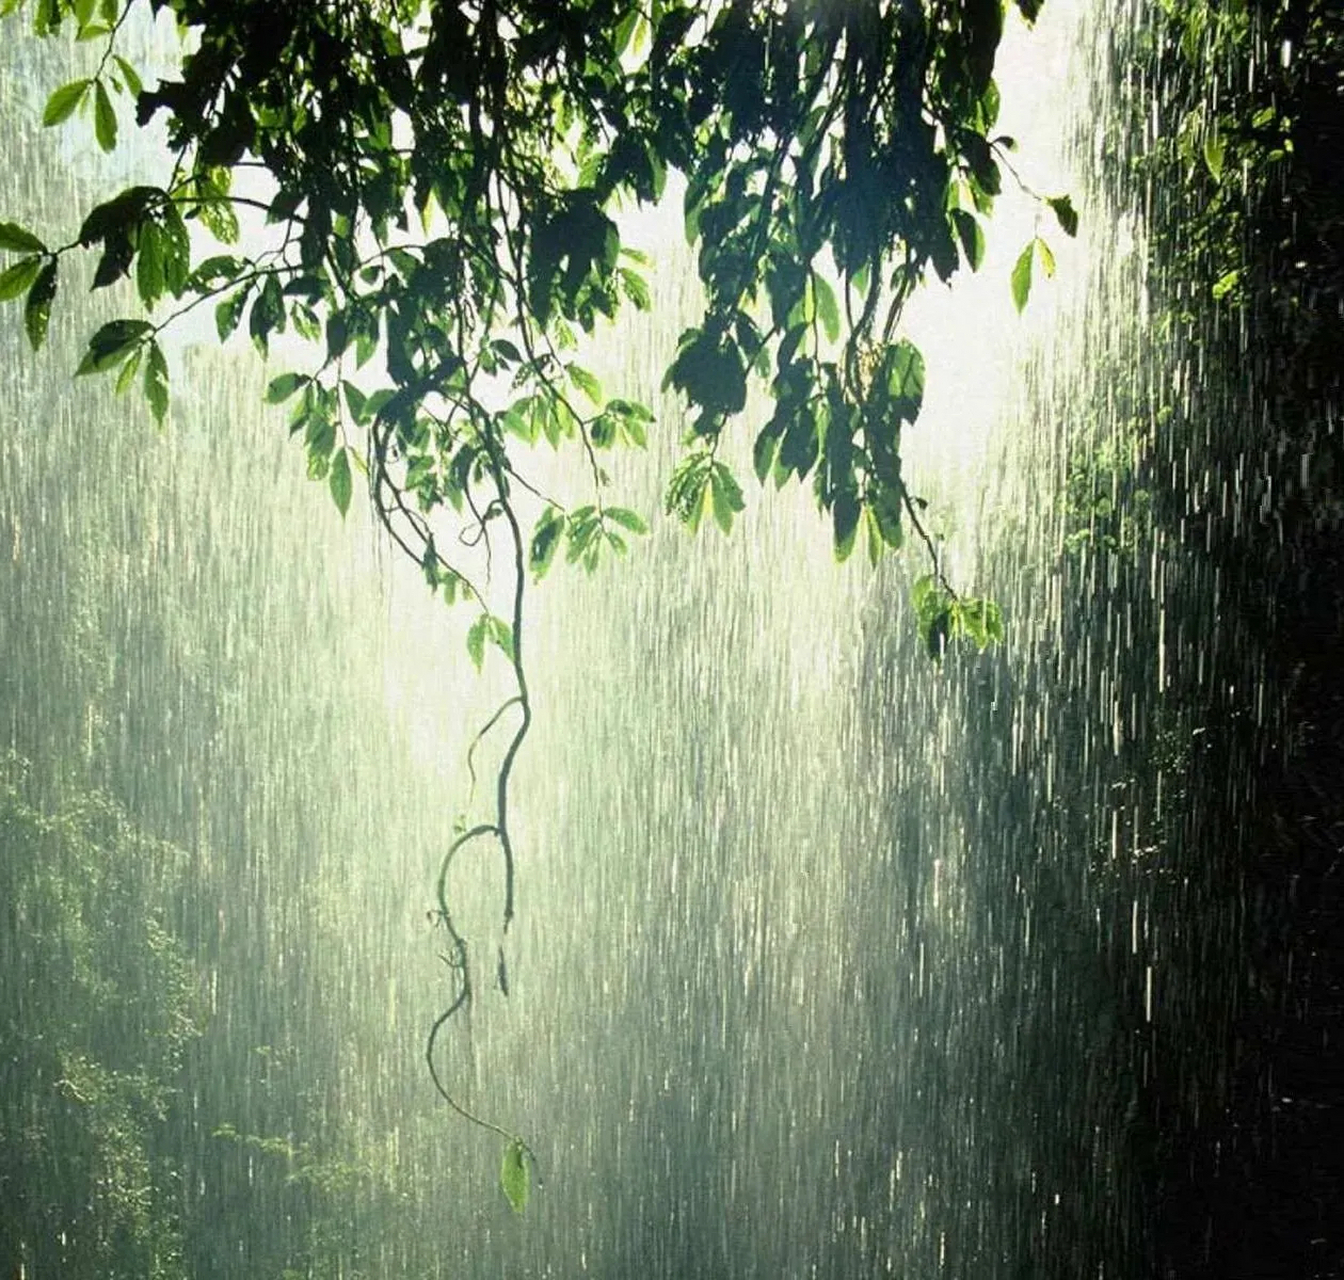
444	189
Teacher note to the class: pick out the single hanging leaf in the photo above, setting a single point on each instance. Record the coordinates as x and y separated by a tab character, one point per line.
476	640
585	382
104	118
827	310
1021	279
149	264
1046	256
1066	214
156	382
971	236
545	540
1213	153
129	75
61	105
37	310
281	388
514	1176
338	479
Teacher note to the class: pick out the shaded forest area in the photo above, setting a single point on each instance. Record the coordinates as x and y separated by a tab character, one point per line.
1255	1189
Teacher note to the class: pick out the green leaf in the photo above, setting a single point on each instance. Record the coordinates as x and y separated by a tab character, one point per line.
627	519
500	634
1214	152
710	372
149	264
1046	256
1221	287
357	402
18	277
13	236
214	270
37	309
129	75
476	640
845	512
971	235
268	314
176	246
827	310
725	496
901	378
585	382
230	311
281	388
545	539
636	288
1065	213
127	374
338	480
980	620
156	382
1021	279
922	593
515	1178
110	344
61	105
764	450
104	118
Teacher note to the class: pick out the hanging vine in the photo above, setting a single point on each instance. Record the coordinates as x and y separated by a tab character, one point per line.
436	183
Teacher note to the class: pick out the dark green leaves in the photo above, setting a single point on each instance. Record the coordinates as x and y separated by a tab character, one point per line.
827	310
699	481
901	378
278	390
725	496
37	310
1065	213
710	372
104	118
971	235
112	343
845	512
515	1178
268	314
545	539
230	311
156	382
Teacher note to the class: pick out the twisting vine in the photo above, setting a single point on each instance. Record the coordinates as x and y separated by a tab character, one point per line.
856	136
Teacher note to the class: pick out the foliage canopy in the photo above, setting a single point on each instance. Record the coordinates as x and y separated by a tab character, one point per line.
441	181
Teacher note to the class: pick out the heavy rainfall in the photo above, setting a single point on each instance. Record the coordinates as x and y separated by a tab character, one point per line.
831	958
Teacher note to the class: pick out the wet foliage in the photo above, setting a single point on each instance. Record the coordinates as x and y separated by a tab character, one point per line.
439	188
